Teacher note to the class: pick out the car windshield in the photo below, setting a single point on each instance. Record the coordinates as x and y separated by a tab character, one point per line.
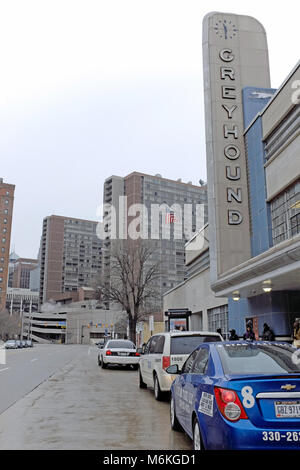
240	359
120	345
187	344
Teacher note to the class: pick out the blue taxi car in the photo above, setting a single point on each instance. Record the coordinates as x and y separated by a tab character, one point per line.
238	395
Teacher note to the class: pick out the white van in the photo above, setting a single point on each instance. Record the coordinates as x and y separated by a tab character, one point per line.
165	349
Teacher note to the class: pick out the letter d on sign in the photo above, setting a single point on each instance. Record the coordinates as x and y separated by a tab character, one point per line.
235	218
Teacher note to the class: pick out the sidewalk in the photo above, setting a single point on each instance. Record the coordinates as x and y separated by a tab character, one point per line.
85	407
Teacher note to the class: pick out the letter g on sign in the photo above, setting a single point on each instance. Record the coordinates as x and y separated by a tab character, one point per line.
226	55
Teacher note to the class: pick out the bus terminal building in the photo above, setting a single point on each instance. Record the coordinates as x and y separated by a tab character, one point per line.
252	248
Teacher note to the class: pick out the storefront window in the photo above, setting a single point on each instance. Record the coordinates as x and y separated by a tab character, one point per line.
285	214
218	318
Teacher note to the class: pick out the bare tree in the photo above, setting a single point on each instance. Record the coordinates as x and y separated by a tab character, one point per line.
9	325
132	280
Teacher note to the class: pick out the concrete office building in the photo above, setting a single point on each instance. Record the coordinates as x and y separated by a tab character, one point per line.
253	167
166	237
21	300
113	192
70	256
208	312
22	269
6	212
77	323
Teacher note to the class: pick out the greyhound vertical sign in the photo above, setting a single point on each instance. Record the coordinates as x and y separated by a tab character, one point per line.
235	55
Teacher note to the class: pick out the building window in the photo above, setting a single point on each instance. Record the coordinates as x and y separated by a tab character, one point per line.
285	214
1	279
2	250
218	318
5	211
3	240
6	202
5	221
2	260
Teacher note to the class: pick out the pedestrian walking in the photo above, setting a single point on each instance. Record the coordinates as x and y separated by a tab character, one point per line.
219	331
249	334
296	342
233	336
267	334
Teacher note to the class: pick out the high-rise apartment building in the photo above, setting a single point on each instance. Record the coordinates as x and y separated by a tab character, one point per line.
163	210
6	211
70	256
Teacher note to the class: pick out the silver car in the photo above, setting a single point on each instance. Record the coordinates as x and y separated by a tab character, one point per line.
120	352
10	344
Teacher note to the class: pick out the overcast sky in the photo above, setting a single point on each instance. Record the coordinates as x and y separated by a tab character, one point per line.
95	88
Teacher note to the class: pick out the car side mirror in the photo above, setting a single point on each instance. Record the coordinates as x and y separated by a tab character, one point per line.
173	369
140	350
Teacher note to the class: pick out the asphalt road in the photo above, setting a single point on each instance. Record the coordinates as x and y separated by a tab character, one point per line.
81	406
27	368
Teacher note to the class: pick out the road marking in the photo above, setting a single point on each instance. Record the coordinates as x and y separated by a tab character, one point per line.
32	360
2	370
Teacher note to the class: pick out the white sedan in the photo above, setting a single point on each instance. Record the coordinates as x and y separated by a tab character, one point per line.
120	352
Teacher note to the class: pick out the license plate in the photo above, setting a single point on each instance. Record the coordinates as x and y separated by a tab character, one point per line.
123	354
287	409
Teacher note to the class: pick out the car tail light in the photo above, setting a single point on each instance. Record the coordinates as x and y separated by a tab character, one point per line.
166	360
137	354
108	353
229	404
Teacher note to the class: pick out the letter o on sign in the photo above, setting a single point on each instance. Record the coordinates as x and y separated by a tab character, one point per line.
232	152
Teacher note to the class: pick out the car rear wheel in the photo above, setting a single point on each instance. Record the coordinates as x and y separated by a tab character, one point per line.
103	365
157	391
173	418
197	440
141	383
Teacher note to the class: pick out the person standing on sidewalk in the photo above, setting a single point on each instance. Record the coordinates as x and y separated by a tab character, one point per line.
296	342
249	334
267	334
233	336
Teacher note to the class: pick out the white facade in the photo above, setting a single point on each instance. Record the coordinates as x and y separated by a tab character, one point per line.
195	293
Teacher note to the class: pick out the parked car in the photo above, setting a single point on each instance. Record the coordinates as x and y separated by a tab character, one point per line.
238	395
29	343
100	343
165	349
18	344
10	344
24	343
118	351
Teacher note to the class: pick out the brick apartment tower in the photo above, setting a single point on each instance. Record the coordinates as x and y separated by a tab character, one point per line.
6	211
140	188
71	256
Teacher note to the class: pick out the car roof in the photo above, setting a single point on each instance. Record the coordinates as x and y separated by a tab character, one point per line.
126	340
187	333
118	340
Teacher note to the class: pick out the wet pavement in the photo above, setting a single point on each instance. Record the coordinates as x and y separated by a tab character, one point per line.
82	406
